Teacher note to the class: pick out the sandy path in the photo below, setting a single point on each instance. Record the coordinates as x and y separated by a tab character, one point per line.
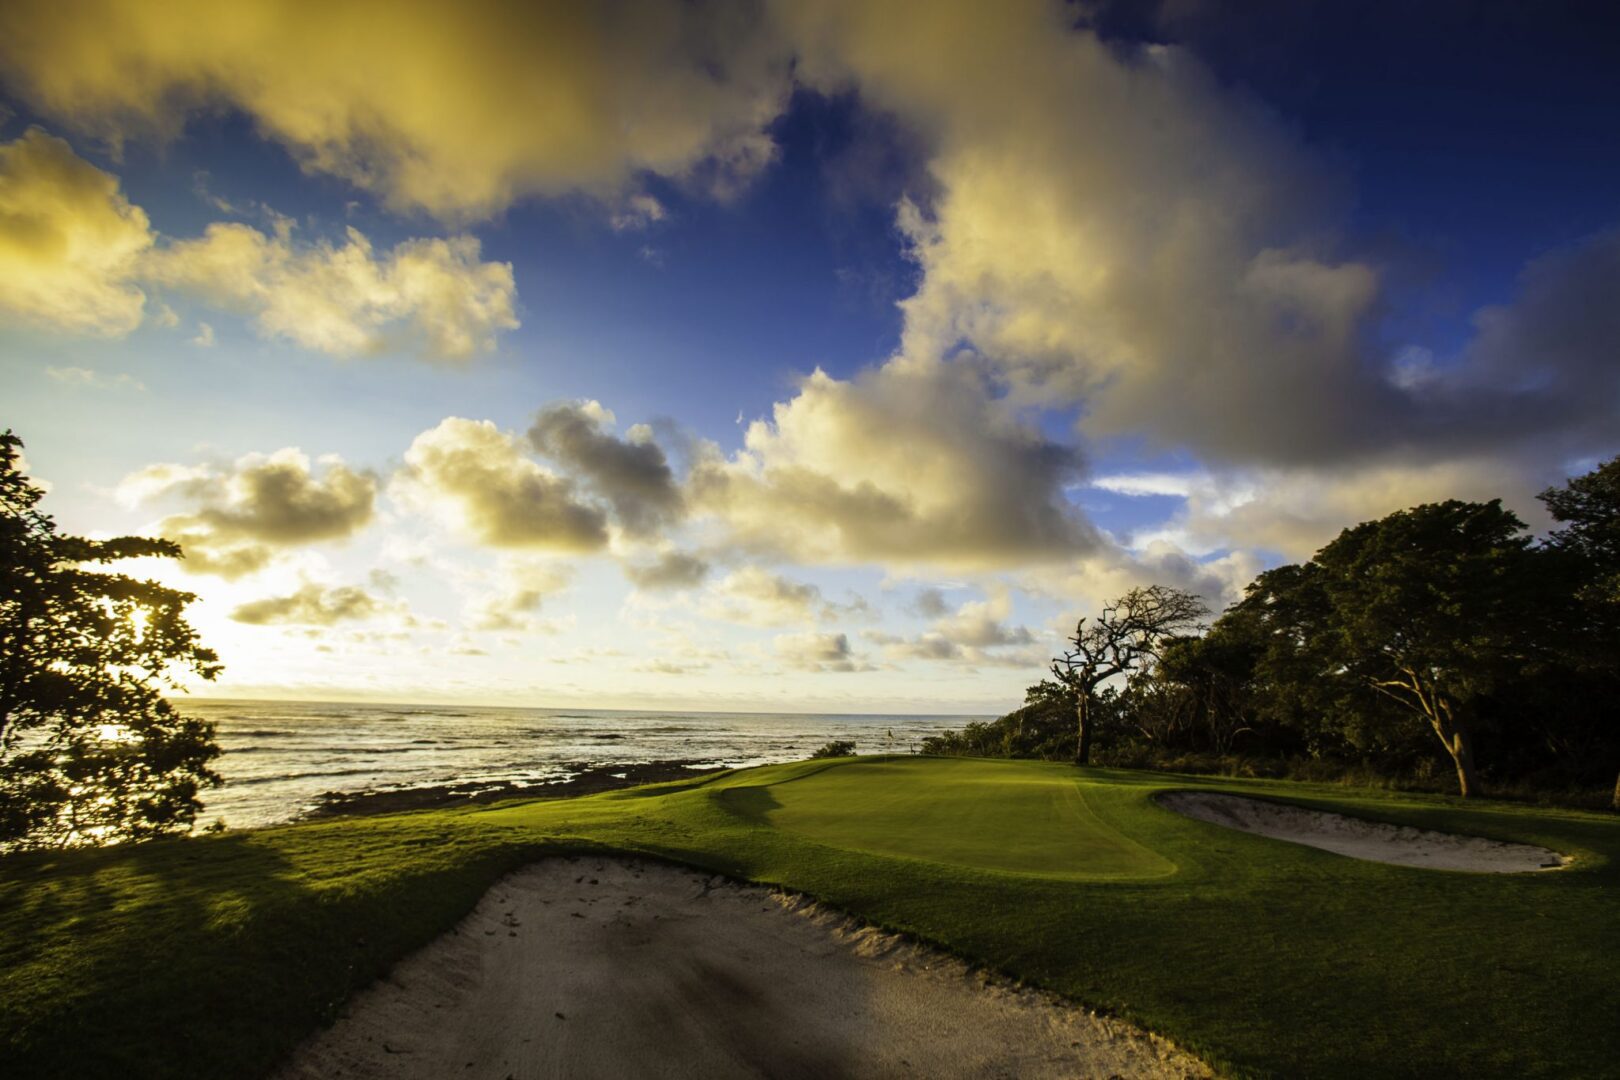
599	967
1402	845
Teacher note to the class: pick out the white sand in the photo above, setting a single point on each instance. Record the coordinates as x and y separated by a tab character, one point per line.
1398	844
600	967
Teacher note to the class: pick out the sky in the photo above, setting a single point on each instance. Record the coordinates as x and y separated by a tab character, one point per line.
825	357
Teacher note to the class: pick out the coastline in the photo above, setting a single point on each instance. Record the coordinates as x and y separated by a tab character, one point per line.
585	779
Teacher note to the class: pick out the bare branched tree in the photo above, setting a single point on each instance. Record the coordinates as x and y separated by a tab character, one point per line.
1128	634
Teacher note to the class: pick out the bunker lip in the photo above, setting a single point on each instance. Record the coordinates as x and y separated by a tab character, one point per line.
598	966
1357	838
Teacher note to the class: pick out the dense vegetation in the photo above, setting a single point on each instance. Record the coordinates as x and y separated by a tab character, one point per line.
213	956
90	750
1440	639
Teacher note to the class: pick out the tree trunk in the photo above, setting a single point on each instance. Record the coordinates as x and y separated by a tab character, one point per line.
1459	742
1082	712
1455	734
1616	803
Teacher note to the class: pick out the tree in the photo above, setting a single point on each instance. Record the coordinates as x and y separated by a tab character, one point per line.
90	752
1429	608
1201	691
1589	509
1128	634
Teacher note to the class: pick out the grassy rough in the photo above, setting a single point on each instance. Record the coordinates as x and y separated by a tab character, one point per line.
212	957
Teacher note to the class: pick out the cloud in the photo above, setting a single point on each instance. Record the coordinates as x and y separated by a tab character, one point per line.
1107	226
670	570
977	633
94	380
477	477
75	253
311	605
1294	511
523	586
818	652
1083	587
456	111
632	474
1140	239
983	624
753	596
636	213
1542	366
70	242
906	464
435	296
930	603
239	516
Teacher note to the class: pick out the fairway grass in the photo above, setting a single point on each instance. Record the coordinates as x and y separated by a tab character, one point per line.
214	956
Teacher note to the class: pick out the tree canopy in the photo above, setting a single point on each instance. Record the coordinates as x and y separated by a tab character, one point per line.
1429	608
1588	508
90	751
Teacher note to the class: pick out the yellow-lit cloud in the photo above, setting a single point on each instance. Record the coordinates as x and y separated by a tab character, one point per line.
523	585
632	474
454	109
478	479
667	570
754	596
238	518
978	633
70	242
74	255
905	464
311	605
1110	226
432	296
818	652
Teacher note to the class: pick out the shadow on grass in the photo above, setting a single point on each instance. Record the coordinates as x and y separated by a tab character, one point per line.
214	956
751	804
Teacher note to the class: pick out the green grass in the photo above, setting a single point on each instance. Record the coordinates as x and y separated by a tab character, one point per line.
1021	817
212	957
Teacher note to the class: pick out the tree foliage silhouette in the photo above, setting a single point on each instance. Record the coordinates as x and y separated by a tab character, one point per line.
90	751
1588	510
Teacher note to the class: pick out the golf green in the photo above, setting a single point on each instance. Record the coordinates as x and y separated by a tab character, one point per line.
1013	817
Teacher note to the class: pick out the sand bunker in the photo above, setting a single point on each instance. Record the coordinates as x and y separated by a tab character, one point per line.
1398	844
595	967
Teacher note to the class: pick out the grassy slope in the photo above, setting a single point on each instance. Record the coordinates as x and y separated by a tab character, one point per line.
211	957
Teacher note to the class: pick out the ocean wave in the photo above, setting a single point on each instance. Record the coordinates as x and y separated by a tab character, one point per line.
344	751
293	778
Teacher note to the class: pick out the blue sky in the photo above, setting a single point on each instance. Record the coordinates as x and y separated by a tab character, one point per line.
1101	295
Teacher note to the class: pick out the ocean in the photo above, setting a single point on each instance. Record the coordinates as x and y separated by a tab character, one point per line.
280	757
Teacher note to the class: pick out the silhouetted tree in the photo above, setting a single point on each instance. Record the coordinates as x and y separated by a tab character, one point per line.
1589	509
90	752
1128	634
1201	691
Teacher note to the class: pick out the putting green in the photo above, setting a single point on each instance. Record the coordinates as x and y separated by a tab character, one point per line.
1012	817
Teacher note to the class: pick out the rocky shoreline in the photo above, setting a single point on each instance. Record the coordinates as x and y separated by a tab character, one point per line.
585	779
